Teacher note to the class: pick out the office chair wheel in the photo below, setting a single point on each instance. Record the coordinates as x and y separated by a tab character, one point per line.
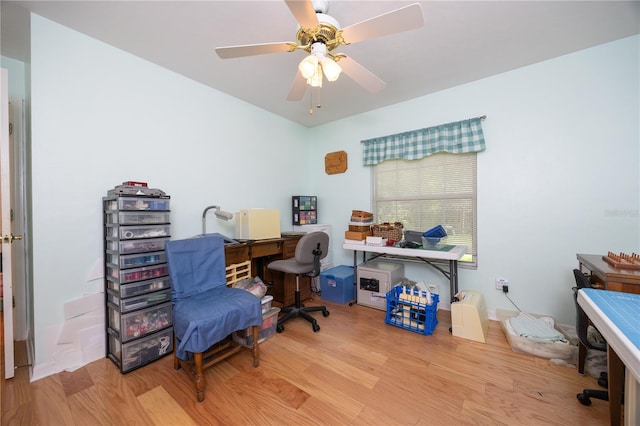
603	380
279	328
316	327
325	313
584	399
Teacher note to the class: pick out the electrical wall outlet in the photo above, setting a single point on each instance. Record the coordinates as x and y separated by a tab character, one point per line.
501	282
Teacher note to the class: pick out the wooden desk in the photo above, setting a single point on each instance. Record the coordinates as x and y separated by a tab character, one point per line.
608	277
260	253
617	317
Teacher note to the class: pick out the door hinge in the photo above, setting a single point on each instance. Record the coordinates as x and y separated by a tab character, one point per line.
10	128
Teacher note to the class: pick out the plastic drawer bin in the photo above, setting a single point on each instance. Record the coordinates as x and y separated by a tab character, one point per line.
408	308
432	237
137	274
266	303
137	203
138	218
137	246
267	329
136	260
129	232
139	323
337	285
139	302
138	288
129	356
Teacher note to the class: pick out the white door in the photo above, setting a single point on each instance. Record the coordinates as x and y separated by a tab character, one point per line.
7	236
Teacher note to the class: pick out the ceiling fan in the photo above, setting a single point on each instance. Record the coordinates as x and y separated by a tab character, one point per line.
320	34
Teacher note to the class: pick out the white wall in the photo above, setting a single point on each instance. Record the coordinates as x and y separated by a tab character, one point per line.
17	83
560	174
102	116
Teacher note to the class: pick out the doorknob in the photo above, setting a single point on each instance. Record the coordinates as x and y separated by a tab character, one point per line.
10	238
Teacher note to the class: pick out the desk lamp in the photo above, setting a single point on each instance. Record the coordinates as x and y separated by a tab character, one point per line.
220	214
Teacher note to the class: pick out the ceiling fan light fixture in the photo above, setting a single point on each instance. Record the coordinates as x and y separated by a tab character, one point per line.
331	69
308	66
316	79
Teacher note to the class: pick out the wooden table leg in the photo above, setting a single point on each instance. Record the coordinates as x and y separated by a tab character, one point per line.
615	369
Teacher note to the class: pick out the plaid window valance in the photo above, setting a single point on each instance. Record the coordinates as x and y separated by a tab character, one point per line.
460	137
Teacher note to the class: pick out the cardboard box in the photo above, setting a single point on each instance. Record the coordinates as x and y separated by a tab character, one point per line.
360	228
353	235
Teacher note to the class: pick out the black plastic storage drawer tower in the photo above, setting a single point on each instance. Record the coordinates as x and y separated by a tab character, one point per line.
304	210
137	285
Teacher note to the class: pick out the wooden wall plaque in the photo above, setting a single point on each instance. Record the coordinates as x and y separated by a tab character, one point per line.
335	162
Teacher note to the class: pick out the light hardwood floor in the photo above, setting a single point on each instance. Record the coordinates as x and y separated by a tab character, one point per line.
355	371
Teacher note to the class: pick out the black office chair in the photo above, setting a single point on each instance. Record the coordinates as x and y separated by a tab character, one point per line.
311	248
582	326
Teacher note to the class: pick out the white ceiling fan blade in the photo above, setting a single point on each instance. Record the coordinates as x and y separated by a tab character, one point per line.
254	49
298	87
304	13
361	75
403	19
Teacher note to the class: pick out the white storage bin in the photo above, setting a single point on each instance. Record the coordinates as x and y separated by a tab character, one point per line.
268	329
266	303
538	347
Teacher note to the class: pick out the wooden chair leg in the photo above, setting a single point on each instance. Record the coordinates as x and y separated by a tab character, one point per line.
176	360
195	367
256	346
199	376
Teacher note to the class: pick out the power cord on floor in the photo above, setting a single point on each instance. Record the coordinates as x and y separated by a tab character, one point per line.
505	291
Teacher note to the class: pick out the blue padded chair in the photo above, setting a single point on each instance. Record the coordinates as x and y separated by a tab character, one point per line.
205	311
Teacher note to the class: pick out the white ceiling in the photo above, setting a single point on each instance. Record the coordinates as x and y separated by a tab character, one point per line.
461	41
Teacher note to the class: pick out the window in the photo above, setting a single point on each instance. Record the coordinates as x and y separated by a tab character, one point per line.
439	189
427	177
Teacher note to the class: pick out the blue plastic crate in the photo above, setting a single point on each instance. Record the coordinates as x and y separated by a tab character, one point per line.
408	308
